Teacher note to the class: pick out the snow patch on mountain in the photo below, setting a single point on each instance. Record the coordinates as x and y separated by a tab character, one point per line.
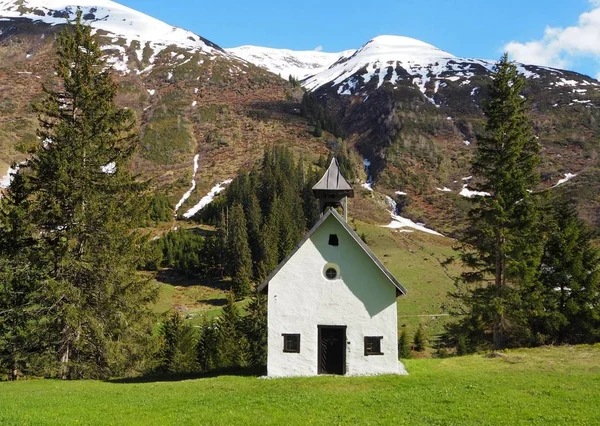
6	180
568	177
189	192
286	63
399	222
110	168
468	193
207	199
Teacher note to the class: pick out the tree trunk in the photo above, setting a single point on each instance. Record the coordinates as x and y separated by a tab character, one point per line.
15	371
64	359
498	337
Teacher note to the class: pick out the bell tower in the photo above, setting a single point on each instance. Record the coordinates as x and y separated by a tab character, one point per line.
333	189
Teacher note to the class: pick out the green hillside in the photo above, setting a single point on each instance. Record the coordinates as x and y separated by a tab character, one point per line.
414	259
533	386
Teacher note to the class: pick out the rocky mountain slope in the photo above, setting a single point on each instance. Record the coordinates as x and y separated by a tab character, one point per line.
414	111
203	113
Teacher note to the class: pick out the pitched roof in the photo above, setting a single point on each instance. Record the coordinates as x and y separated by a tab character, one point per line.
400	290
333	180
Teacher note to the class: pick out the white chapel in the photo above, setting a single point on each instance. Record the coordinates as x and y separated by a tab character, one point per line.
332	303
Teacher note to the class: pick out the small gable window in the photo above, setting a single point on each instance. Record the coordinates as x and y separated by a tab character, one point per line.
331	274
331	271
333	240
373	345
291	343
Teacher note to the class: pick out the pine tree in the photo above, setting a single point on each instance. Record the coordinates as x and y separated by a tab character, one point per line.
404	346
269	257
462	348
310	203
178	351
501	245
239	250
22	277
222	243
254	221
570	274
233	347
318	131
420	340
255	330
20	282
208	345
84	207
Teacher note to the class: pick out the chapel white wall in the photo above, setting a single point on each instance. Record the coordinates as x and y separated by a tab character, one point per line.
300	298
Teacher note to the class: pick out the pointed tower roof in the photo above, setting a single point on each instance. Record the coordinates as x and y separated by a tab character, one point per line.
333	182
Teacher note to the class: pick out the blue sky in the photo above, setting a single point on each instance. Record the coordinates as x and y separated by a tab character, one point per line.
564	33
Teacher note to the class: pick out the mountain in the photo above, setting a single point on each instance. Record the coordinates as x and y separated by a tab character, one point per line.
203	113
286	63
125	27
412	111
415	112
392	59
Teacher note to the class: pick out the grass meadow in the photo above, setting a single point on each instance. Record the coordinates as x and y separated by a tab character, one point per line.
558	386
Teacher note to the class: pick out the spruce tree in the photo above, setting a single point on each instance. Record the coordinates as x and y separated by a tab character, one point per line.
239	250
20	282
420	340
85	206
254	221
233	346
222	244
404	346
310	203
269	253
501	245
178	348
23	315
255	330
570	274
207	346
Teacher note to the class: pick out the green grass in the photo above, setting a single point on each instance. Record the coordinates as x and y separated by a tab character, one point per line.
195	298
541	386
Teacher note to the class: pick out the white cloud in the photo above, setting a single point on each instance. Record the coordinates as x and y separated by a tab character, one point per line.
319	48
559	47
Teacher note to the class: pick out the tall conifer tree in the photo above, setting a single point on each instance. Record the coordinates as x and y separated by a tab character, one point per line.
239	250
21	285
570	274
84	207
502	244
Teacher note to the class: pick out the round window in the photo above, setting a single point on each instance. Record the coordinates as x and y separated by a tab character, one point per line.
331	273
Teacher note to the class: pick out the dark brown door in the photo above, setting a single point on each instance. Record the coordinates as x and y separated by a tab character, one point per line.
332	349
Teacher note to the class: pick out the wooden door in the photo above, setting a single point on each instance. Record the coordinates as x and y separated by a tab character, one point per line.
332	350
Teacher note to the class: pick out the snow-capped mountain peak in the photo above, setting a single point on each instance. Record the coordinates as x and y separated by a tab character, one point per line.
123	24
386	48
395	59
383	57
286	63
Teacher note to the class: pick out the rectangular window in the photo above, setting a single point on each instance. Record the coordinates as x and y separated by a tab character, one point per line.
291	343
373	345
